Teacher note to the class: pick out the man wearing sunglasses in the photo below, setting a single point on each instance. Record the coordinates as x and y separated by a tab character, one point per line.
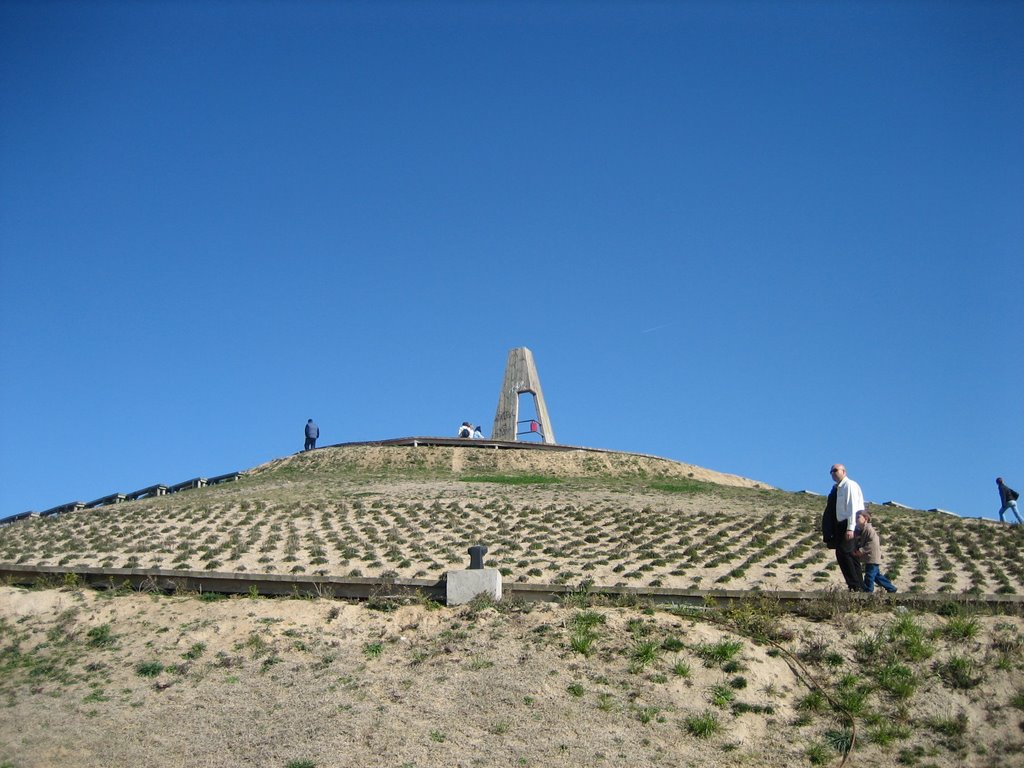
838	522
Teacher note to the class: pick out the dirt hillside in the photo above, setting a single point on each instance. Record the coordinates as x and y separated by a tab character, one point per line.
119	679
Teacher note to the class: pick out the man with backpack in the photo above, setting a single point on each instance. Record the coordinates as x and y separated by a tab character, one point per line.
1007	500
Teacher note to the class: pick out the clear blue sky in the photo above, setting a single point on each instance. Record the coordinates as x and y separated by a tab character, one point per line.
755	236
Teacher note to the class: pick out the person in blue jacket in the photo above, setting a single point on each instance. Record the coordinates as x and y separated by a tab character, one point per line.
312	433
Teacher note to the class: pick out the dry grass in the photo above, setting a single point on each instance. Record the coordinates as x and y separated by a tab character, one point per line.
103	679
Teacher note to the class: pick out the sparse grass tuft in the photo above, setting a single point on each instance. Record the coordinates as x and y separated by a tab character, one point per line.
841	740
149	668
720	653
644	653
194	652
582	642
959	672
960	628
886	732
721	695
100	637
896	679
512	479
703	726
681	669
818	754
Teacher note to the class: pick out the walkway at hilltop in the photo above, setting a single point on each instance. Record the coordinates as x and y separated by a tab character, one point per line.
469	442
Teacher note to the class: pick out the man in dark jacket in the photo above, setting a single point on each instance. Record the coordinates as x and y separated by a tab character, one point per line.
1007	500
312	433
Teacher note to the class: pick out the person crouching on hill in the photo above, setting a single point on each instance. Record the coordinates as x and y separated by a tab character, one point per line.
868	550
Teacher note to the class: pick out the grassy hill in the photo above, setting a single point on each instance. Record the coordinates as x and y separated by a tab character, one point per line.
546	517
125	678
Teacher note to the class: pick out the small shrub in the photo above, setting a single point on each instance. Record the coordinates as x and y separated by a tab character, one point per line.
672	644
719	653
840	740
960	628
814	701
910	755
194	652
952	729
587	620
647	714
1017	700
579	597
149	668
732	666
818	754
582	642
512	479
834	660
704	725
886	732
851	696
721	695
644	652
959	672
741	707
897	680
500	727
100	637
908	639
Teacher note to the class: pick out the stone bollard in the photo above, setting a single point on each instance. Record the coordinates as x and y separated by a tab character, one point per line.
476	557
463	586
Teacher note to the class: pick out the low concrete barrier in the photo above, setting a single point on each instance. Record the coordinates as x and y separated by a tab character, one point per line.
195	482
148	492
20	516
71	506
144	493
383	588
114	498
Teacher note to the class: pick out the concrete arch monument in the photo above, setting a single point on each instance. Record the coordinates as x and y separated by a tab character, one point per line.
521	378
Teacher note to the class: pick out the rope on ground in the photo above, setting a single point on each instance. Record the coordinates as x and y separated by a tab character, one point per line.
799	670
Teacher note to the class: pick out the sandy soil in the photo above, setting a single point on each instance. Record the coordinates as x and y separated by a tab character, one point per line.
246	682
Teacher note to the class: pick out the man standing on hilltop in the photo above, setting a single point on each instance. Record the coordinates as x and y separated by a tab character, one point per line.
312	433
1007	500
838	522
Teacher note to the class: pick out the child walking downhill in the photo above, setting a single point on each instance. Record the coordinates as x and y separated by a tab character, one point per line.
868	550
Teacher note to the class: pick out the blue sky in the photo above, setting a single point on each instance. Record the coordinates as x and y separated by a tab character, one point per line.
760	237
